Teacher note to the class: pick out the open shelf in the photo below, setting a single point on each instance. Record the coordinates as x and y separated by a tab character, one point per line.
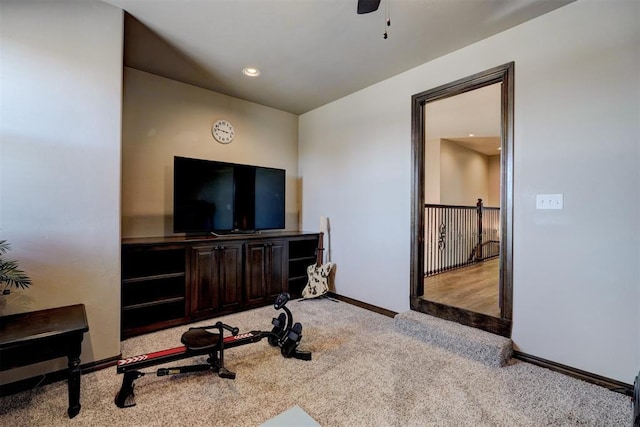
157	277
153	286
144	315
148	304
302	254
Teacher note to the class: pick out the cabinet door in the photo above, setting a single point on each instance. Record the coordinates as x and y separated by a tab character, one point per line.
230	275
255	274
217	278
276	265
265	271
205	283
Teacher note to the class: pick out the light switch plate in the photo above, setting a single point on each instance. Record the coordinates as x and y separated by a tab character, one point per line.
549	201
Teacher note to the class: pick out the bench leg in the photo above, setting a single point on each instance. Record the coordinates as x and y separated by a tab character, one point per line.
74	386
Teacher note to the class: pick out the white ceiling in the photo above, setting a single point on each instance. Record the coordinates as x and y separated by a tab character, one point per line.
471	119
310	52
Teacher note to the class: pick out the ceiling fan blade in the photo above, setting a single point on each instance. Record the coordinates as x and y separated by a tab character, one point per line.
367	6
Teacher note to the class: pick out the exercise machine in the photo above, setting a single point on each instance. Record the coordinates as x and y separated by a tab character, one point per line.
200	341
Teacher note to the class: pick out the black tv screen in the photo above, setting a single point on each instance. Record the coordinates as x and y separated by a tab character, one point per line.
213	197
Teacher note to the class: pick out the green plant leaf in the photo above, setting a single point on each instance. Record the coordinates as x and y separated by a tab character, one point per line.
10	273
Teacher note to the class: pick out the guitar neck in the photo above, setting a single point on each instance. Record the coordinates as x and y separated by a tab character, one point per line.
320	251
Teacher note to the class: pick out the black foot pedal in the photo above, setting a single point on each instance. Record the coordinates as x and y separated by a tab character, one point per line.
225	373
302	355
292	340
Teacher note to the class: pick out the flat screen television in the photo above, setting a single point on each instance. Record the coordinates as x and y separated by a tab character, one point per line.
211	197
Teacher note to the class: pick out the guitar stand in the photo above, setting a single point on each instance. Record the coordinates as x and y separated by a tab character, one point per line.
199	341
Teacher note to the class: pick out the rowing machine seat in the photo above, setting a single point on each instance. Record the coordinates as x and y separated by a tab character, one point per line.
200	340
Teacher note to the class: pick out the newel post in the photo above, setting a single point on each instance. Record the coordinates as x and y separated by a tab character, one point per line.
479	212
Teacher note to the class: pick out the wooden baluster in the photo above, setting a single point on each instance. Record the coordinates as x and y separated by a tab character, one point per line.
479	212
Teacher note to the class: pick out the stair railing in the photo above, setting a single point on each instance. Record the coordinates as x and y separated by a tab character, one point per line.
457	236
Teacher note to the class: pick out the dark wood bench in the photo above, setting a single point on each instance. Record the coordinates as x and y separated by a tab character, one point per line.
36	336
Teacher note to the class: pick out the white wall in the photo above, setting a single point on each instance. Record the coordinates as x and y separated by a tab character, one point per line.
577	104
432	171
494	182
464	175
60	121
163	118
456	175
355	166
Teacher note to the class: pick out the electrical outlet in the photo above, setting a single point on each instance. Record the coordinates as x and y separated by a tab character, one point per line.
549	201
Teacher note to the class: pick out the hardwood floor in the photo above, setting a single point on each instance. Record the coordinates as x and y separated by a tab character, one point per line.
474	288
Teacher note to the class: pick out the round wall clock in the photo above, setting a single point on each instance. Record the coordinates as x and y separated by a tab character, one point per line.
223	131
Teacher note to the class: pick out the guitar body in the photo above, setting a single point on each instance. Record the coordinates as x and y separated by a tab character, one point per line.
318	280
318	274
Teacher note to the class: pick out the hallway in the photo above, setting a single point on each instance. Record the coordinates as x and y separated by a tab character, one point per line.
473	288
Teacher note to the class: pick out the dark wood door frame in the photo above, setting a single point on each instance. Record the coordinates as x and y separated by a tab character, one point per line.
502	74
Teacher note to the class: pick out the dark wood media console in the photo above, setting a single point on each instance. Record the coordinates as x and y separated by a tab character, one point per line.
170	281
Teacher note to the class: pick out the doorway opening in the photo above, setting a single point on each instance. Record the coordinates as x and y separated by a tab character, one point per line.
461	253
462	200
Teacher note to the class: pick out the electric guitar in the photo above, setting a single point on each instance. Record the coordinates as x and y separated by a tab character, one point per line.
318	274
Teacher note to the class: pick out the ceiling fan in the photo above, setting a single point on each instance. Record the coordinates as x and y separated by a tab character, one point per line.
367	6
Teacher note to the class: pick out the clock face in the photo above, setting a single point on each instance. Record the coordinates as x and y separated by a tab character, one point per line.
222	131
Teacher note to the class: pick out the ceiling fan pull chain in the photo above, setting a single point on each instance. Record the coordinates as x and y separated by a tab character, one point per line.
388	12
387	18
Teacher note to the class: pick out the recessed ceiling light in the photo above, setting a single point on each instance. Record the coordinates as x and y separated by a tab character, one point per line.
471	134
499	148
251	72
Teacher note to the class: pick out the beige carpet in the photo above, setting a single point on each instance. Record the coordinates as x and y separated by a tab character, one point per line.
363	373
485	347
